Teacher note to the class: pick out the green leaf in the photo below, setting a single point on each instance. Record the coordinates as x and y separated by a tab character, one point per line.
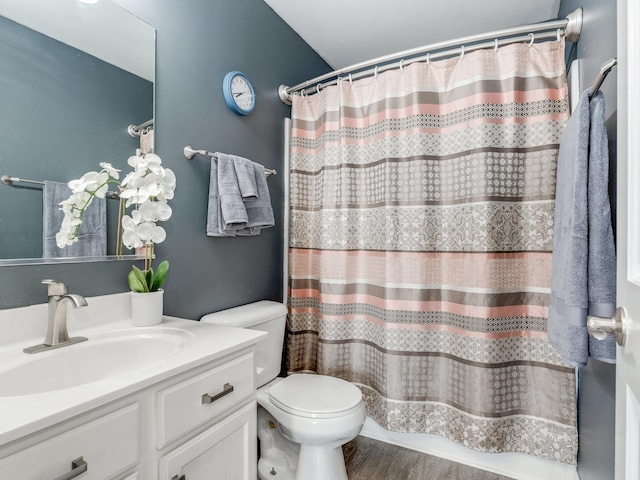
137	280
160	276
148	278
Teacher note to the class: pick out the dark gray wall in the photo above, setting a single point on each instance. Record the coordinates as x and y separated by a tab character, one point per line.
198	42
596	391
62	113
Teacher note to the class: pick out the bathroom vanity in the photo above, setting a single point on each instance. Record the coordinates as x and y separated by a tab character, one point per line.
172	402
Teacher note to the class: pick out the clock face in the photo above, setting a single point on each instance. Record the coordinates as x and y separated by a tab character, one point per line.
242	93
239	93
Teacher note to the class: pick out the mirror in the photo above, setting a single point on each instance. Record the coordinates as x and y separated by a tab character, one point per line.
73	77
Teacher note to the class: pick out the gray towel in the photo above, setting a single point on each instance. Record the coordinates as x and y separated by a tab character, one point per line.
238	202
234	214
92	236
260	211
245	172
215	227
584	263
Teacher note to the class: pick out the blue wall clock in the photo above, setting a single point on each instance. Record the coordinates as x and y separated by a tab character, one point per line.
239	93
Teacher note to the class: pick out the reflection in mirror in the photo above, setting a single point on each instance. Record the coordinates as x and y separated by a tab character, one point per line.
73	78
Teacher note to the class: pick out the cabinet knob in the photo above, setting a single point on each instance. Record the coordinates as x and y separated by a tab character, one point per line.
207	399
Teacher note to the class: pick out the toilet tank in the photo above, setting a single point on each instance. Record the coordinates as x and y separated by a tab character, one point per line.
266	316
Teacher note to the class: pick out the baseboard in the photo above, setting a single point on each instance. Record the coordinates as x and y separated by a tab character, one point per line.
515	465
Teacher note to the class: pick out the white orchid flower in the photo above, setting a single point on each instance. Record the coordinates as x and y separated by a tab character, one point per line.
154	211
134	160
130	238
108	168
147	188
137	235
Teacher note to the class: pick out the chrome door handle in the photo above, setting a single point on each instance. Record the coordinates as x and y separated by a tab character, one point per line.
599	327
78	466
207	399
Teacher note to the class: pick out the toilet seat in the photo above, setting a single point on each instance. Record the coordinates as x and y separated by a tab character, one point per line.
315	396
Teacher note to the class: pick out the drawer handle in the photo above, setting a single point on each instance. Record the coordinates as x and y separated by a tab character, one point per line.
78	466
207	399
176	477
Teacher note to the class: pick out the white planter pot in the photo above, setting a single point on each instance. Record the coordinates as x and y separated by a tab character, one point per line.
146	308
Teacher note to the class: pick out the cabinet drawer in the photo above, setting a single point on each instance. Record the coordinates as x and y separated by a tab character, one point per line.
108	445
183	406
225	450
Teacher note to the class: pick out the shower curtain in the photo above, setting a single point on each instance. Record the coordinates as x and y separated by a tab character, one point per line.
421	223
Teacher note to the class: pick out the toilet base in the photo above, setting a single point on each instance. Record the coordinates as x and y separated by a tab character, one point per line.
278	456
320	463
282	459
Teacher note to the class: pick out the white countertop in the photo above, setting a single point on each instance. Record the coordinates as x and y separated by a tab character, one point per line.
23	327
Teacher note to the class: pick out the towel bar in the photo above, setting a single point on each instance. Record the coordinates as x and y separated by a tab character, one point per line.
9	180
190	152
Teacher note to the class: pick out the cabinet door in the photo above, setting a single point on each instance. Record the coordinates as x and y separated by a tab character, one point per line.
226	451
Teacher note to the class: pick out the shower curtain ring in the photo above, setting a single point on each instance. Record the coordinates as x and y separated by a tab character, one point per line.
533	37
318	88
558	34
461	52
495	47
401	66
428	58
375	72
350	80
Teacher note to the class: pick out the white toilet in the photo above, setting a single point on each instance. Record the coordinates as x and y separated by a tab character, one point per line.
303	419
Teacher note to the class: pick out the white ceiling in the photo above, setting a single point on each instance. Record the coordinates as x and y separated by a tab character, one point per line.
345	32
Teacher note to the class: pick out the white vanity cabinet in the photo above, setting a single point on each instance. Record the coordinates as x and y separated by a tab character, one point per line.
227	451
98	449
198	424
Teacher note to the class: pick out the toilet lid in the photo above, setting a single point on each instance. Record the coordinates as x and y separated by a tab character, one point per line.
315	395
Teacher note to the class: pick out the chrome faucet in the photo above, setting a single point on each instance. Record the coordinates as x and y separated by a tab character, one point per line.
57	335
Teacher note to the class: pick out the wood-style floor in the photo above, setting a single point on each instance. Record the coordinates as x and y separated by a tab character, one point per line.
368	459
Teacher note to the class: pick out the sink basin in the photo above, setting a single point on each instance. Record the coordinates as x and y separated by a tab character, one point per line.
102	357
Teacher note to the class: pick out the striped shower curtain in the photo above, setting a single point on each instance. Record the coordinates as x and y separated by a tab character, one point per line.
422	205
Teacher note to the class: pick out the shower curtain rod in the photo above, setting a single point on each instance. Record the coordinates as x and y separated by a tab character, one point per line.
571	26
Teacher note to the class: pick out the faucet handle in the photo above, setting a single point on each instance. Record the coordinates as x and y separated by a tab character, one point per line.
55	287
